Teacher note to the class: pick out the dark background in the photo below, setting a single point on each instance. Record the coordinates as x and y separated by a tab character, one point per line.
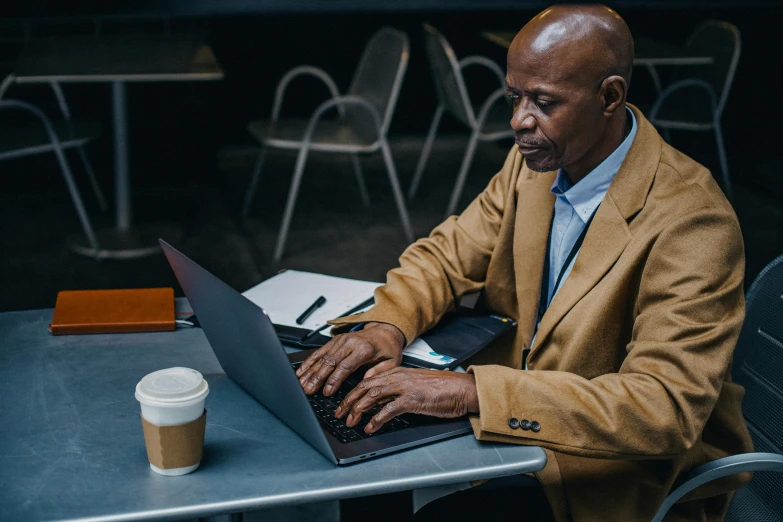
191	154
256	42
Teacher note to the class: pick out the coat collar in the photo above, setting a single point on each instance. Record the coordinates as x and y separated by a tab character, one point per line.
630	187
606	239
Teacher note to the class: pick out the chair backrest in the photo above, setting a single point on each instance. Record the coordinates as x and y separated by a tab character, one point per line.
378	78
447	75
758	366
721	40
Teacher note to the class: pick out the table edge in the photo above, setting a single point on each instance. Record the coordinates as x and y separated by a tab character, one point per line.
94	78
536	462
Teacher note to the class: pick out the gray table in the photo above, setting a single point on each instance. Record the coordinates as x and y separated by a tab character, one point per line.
118	60
72	448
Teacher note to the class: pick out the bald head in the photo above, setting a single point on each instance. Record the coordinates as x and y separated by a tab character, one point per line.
567	76
590	38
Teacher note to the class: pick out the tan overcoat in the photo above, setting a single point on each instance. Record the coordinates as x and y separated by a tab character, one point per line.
629	374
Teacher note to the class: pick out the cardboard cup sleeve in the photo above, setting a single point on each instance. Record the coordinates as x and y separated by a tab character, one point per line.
171	447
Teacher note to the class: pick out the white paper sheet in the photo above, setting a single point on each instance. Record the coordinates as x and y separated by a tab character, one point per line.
285	296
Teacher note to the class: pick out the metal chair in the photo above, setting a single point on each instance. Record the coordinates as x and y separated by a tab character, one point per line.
364	117
694	101
487	122
758	366
40	135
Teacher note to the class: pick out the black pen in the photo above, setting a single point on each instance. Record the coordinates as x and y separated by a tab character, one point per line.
312	308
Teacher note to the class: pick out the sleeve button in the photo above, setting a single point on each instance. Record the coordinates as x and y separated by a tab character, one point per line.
535	426
524	424
513	423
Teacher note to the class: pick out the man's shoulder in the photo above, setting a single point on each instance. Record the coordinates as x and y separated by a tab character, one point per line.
682	185
684	193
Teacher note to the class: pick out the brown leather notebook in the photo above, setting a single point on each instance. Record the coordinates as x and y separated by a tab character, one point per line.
113	311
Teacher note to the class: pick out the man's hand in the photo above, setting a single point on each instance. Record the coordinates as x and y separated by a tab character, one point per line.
379	344
406	390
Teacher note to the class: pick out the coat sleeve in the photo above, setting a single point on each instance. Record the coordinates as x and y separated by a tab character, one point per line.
436	271
689	311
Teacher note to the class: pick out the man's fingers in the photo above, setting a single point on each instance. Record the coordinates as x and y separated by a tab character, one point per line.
334	344
387	413
373	396
331	352
305	377
391	377
319	373
379	391
336	365
311	359
354	395
341	372
381	367
310	376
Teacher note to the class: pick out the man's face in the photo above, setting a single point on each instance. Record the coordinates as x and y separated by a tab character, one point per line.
557	116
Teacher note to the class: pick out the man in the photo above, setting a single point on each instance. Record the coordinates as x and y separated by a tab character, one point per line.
620	364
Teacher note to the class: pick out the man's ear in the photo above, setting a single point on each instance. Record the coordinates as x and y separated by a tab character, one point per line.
614	90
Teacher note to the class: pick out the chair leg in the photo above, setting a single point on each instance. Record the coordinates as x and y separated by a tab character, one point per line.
724	164
288	214
91	174
77	201
251	189
425	153
463	173
395	184
357	170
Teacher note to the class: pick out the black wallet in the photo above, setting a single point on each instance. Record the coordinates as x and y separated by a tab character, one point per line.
458	336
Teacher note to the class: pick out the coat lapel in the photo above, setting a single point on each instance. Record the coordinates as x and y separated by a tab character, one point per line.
605	241
535	208
609	233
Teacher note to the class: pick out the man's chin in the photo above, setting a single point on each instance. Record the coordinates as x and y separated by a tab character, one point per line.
540	166
539	160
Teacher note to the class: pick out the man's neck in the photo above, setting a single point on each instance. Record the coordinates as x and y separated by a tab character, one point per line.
617	132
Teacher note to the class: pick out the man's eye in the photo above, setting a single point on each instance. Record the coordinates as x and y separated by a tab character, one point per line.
543	104
513	98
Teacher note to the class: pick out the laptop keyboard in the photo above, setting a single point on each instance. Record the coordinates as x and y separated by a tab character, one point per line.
324	407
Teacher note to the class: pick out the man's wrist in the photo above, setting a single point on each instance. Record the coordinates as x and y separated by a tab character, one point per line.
471	393
393	330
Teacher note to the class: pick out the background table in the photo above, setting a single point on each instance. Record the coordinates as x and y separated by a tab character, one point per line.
71	443
118	59
648	53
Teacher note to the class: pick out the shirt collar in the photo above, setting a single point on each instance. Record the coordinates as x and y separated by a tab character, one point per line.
586	195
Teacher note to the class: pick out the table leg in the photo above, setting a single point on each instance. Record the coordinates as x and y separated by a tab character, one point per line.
121	172
124	241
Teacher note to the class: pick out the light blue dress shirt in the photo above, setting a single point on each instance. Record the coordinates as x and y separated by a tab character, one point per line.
574	204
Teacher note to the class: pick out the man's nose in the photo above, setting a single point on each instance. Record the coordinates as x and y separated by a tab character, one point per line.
522	119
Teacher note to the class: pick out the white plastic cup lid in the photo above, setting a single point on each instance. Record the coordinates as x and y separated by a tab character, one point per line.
172	387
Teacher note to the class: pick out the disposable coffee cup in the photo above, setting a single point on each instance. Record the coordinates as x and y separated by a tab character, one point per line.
173	418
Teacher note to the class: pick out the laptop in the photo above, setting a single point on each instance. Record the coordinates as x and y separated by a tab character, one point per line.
249	351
